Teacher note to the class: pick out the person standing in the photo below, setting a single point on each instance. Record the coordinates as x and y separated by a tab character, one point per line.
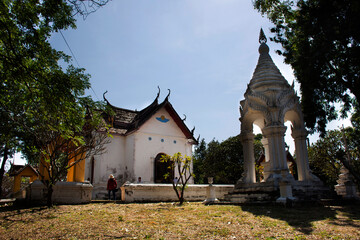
111	186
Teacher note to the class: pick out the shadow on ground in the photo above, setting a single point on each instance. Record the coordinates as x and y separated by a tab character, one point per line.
300	218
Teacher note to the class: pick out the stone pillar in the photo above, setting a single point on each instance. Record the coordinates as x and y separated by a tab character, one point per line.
267	164
265	143
210	193
247	140
302	160
276	150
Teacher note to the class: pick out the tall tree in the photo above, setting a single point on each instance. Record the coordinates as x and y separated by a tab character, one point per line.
40	100
58	149
222	161
321	41
329	152
199	162
325	157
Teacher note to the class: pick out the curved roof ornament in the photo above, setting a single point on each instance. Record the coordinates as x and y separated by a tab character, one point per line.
184	119
262	37
167	97
158	94
105	97
193	130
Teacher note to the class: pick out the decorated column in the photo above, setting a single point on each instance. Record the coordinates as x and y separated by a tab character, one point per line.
302	160
276	149
268	165
247	140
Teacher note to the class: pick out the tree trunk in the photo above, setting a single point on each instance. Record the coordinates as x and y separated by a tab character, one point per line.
50	191
2	169
181	199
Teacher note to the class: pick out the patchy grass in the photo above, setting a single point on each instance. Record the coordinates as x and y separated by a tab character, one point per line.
168	221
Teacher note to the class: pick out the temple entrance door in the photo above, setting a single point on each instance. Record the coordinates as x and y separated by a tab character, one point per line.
161	168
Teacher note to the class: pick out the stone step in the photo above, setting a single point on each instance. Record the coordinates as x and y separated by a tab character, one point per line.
259	197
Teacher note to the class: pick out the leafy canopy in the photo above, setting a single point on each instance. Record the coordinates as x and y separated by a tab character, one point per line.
327	155
41	101
321	41
222	161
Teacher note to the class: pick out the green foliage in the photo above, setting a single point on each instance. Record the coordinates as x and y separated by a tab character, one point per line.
324	157
321	41
328	153
42	102
222	161
181	167
258	151
199	162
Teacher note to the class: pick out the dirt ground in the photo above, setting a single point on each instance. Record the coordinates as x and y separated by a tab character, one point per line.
169	221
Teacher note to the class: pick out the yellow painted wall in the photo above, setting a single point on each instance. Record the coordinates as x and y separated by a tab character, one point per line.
77	172
26	172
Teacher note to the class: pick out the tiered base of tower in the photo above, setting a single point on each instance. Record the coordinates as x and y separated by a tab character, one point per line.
277	192
346	188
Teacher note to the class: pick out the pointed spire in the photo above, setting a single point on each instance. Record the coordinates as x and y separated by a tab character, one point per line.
262	37
266	72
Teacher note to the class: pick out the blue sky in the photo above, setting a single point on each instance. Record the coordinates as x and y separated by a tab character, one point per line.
205	51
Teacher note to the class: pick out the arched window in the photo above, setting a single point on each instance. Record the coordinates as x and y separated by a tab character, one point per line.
161	168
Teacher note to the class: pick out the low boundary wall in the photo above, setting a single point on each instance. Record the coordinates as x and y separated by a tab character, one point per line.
135	192
64	192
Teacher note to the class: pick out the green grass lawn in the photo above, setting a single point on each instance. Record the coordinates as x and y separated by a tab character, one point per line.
168	221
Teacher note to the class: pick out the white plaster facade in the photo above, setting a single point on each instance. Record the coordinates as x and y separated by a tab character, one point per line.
132	154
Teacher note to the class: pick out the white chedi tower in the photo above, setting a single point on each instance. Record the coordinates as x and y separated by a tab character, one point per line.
270	102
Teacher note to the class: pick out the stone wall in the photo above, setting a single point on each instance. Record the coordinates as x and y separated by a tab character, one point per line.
131	192
64	192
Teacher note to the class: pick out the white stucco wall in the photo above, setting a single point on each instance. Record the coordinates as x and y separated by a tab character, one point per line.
132	156
111	161
156	137
129	158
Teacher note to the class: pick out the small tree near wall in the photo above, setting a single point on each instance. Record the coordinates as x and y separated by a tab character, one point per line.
181	167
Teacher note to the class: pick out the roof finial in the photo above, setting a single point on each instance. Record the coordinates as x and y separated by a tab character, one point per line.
262	37
184	118
157	96
167	97
105	97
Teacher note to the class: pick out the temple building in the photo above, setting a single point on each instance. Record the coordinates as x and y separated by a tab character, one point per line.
138	140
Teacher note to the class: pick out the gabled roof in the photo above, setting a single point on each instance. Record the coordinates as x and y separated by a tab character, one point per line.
127	121
17	169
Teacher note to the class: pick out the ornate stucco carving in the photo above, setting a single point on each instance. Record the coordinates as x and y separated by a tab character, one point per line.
270	101
268	93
